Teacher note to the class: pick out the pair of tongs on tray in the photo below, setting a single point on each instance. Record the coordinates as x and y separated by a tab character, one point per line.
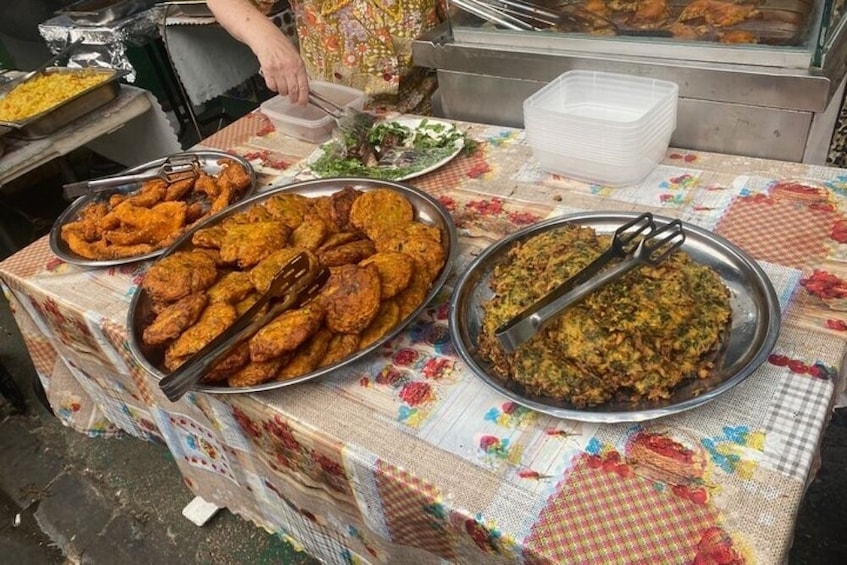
175	168
295	285
637	242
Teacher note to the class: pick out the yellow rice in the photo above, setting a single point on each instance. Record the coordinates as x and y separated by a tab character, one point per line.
44	92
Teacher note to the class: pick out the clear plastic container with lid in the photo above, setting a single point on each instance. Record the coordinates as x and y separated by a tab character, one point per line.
309	122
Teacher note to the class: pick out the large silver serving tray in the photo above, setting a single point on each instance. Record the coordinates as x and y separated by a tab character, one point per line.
752	334
209	163
63	113
427	210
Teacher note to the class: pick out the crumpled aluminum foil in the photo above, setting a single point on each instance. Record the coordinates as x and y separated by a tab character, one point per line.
103	45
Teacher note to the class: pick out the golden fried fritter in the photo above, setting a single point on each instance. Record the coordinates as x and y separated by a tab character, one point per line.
413	295
395	271
151	193
178	189
210	238
232	171
84	248
262	274
256	373
247	244
248	302
635	338
414	230
178	275
161	222
232	288
154	216
351	297
378	210
207	185
338	238
214	320
340	347
347	253
226	195
307	356
248	216
322	208
310	234
233	361
418	241
171	321
288	208
286	332
341	203
386	319
193	213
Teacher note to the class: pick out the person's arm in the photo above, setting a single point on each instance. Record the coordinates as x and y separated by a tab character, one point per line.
279	61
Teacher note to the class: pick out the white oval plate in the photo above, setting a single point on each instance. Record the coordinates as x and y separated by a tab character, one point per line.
413	124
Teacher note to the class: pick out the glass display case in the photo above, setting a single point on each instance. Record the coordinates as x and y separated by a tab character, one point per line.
757	77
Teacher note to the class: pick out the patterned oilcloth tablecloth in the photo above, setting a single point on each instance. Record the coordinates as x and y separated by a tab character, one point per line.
407	457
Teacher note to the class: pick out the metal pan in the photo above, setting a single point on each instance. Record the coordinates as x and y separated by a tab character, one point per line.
427	209
752	334
66	111
208	161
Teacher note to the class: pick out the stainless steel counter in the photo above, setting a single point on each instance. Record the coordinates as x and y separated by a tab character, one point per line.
786	113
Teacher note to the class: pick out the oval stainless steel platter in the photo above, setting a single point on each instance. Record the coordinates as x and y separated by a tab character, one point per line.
427	210
752	334
209	163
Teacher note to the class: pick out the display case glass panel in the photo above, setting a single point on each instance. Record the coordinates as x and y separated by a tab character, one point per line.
777	33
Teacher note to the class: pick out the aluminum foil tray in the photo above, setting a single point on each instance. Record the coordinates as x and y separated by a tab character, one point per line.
752	334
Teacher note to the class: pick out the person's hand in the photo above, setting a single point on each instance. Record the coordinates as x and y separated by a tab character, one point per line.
282	68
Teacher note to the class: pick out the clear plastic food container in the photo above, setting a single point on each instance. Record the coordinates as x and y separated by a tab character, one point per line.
309	122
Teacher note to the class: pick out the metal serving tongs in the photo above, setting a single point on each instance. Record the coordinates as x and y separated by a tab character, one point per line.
349	120
41	68
638	242
175	168
295	284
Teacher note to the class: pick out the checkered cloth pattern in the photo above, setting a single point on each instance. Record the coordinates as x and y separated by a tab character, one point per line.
457	473
404	499
598	516
795	422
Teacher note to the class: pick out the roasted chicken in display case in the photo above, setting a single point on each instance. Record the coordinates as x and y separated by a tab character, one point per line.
776	22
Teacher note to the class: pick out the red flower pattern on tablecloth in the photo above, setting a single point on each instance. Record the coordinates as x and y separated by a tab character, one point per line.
716	548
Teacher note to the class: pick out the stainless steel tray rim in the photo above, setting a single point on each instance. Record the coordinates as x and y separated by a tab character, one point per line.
770	326
356	182
57	245
114	75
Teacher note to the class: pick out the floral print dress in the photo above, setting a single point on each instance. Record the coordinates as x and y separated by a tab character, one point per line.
365	44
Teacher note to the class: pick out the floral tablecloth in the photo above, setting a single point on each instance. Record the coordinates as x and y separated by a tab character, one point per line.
407	457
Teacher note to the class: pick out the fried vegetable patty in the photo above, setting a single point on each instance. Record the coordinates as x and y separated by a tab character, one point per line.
635	338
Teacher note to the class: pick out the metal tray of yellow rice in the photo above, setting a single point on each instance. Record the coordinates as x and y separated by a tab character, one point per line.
63	106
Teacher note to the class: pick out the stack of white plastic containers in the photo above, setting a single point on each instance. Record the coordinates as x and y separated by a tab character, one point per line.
602	128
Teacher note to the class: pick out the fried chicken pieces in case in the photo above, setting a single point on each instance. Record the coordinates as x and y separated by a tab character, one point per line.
132	225
382	265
